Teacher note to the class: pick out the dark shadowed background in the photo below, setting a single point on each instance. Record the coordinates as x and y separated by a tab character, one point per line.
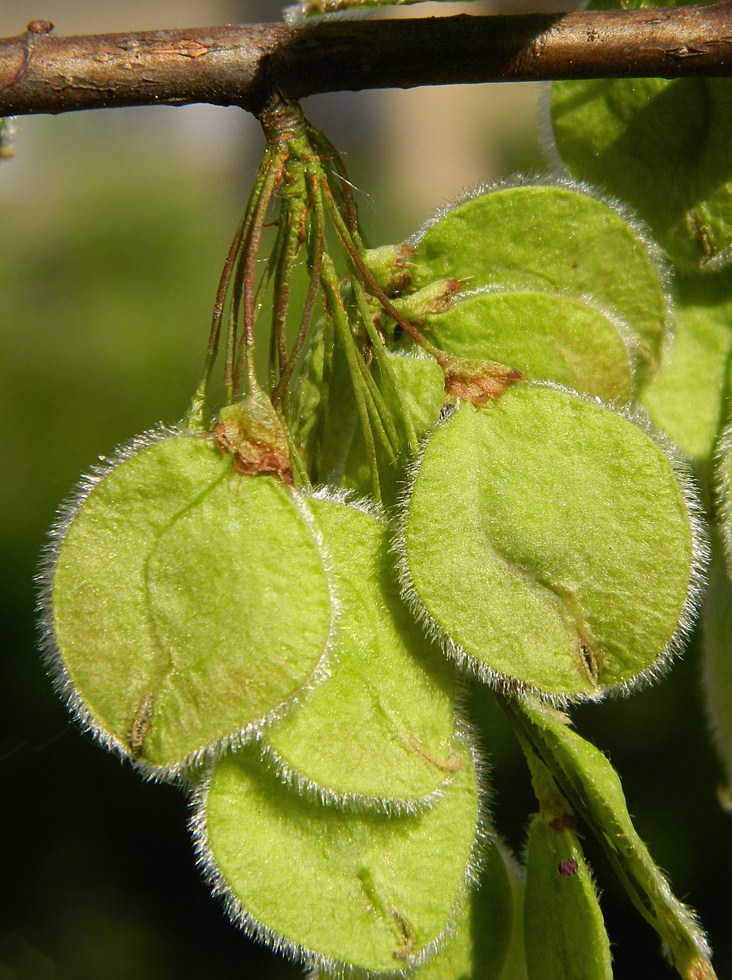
113	228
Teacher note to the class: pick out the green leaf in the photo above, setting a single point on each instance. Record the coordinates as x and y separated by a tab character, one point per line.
550	542
380	730
514	967
544	335
662	145
572	242
696	369
594	790
186	603
338	889
564	930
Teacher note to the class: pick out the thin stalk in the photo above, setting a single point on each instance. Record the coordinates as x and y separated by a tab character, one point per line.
378	409
328	341
338	313
301	477
262	286
327	151
376	291
315	262
201	397
293	242
237	291
233	331
385	368
225	279
329	332
271	182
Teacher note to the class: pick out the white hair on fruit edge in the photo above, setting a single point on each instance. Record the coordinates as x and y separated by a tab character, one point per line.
65	515
464	660
723	486
653	250
696	583
348	498
359	803
63	683
314	961
302	783
720	260
628	337
700	548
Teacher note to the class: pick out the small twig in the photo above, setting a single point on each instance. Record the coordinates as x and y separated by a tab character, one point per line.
244	65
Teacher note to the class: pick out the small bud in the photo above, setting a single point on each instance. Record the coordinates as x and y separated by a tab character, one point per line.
40	27
434	298
567	868
389	267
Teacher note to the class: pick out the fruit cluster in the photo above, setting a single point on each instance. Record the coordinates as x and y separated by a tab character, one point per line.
447	469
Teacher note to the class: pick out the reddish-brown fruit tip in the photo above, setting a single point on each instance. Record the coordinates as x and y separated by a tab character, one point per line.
478	381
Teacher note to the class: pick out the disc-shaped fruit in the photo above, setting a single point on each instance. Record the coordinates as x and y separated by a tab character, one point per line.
186	602
549	540
575	243
380	731
340	888
544	335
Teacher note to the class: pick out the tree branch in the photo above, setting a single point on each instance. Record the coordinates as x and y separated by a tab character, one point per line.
245	65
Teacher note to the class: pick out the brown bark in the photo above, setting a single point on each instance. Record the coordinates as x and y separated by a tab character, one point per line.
245	65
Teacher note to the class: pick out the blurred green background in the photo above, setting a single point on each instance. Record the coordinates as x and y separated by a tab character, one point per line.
113	228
